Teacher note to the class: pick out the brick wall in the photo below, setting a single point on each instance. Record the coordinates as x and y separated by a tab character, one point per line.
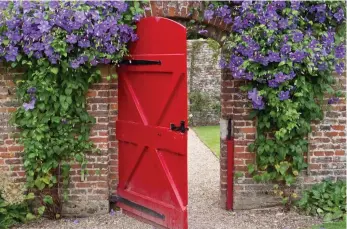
327	152
204	77
10	150
88	194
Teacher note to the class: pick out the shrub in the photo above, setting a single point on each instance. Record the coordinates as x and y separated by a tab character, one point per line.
326	199
13	205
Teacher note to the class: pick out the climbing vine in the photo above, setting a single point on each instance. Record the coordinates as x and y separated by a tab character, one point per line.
58	45
286	51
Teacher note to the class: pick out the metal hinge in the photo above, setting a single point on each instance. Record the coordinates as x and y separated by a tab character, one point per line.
138	207
229	129
140	62
182	128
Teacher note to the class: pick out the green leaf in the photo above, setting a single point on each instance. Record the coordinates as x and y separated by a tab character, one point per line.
54	70
48	199
56	119
68	91
328	217
283	168
30	216
41	210
251	168
30	196
39	184
282	63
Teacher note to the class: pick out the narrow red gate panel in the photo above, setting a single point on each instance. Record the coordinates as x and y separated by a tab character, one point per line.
152	117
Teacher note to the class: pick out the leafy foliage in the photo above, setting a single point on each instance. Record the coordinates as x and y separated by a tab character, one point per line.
11	215
326	199
59	44
286	51
13	203
202	102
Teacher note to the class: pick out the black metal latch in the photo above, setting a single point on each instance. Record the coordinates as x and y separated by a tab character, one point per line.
182	128
140	62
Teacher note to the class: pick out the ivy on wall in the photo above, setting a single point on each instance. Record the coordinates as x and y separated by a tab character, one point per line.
59	44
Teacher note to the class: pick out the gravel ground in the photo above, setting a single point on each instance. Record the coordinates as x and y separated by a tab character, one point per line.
203	210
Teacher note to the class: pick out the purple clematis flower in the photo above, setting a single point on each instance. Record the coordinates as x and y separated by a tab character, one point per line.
322	66
222	63
272	83
297	56
84	43
30	105
137	17
12	53
274	57
256	99
280	77
313	44
340	51
75	64
203	31
340	68
94	62
31	90
339	15
283	23
295	5
333	100
285	49
208	14
297	36
44	26
283	95
72	39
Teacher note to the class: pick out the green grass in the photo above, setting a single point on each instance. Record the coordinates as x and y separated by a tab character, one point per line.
334	225
210	136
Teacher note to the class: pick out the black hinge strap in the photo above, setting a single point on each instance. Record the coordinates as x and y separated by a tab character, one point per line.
140	62
137	207
229	129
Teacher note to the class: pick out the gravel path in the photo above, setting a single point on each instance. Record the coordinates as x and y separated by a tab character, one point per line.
203	210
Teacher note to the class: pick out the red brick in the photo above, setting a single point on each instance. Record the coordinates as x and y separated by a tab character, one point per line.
95	139
331	134
338	127
15	148
329	153
340	153
91	93
244	155
238	149
314	166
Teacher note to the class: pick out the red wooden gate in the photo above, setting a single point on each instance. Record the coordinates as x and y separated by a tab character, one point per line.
151	126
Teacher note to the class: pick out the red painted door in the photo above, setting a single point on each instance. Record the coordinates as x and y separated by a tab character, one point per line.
152	99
